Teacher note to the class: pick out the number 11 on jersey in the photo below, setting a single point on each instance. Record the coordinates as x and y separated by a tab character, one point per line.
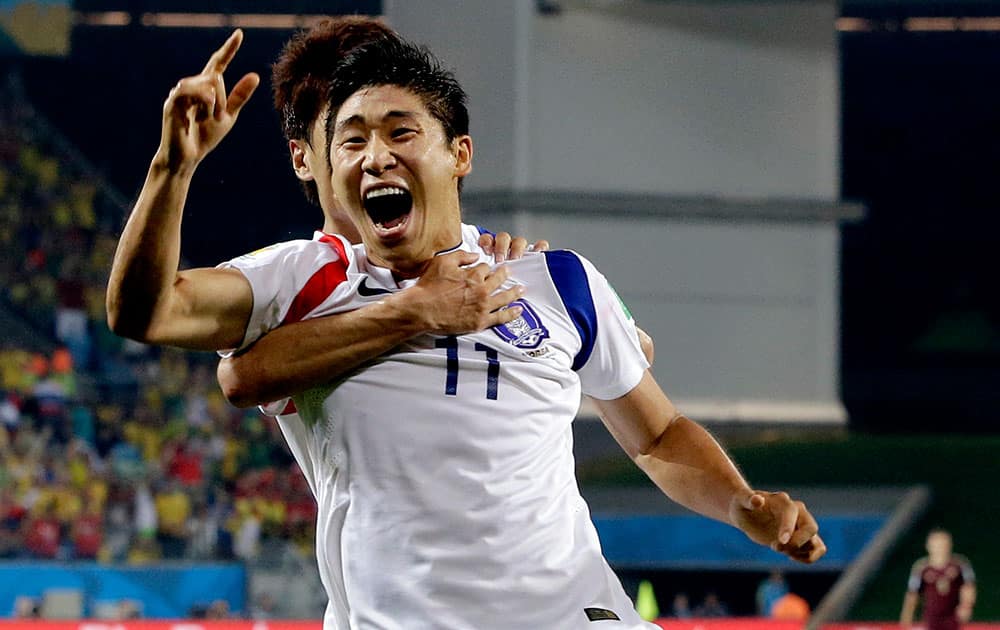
450	344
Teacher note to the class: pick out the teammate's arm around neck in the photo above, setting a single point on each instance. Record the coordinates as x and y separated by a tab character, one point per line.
448	299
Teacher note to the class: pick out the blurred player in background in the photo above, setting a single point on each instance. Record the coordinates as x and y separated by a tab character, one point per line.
944	583
444	468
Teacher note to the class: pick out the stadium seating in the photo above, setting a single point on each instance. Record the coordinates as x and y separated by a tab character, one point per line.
111	450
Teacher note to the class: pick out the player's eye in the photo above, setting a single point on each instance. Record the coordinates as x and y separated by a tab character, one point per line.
352	142
402	133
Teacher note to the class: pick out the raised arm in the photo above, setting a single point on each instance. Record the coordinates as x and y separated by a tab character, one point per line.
448	299
691	468
148	299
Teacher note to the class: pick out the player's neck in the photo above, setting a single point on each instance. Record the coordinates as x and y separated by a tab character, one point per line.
409	262
342	226
939	561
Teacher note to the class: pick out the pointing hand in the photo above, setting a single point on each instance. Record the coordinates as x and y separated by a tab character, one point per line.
198	113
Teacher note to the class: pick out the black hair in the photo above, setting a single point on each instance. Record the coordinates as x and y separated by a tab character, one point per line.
299	76
403	64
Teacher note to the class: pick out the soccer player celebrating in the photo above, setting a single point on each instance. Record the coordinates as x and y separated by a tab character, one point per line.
946	584
443	468
148	299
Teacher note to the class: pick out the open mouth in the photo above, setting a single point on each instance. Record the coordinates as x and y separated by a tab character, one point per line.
388	207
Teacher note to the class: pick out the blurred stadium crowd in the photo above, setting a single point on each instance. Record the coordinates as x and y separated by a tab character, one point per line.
109	449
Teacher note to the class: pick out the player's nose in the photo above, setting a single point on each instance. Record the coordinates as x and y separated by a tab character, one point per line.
378	157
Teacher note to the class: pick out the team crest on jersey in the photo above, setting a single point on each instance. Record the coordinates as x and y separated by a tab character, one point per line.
527	331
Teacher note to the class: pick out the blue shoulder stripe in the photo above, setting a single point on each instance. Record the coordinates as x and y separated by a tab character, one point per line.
483	230
571	282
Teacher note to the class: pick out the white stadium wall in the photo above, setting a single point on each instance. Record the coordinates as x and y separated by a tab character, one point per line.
732	104
689	98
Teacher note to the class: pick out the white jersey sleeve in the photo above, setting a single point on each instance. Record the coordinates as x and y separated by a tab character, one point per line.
967	573
610	361
288	281
916	578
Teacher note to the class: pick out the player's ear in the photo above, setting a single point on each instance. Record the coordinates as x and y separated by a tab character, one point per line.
300	160
461	148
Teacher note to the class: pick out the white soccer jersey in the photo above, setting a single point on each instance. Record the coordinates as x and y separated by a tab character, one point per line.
444	469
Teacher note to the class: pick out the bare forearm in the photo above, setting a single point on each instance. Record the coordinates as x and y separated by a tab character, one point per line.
148	254
690	467
297	357
966	600
967	595
909	608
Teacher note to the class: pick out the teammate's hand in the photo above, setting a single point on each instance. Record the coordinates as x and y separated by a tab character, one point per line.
198	113
504	247
784	525
452	299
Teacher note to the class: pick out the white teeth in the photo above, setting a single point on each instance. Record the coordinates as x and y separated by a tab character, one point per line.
382	192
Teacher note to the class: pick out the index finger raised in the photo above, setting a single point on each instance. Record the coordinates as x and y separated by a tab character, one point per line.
220	59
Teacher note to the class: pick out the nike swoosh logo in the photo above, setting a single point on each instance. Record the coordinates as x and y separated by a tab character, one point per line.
365	291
